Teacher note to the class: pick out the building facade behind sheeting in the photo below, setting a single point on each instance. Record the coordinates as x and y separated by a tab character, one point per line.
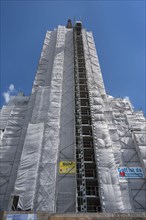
70	147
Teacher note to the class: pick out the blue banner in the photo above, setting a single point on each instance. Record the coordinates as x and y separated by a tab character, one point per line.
21	217
130	172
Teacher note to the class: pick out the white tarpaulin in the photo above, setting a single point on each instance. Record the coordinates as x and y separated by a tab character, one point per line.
38	134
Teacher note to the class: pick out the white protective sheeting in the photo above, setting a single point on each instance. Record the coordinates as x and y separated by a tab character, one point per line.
39	132
139	135
4	115
45	198
11	146
110	192
112	119
39	187
29	165
44	71
131	130
66	186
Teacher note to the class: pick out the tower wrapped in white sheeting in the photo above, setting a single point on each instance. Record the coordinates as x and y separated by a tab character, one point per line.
38	135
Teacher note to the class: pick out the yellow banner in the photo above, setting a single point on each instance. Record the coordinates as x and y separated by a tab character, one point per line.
67	167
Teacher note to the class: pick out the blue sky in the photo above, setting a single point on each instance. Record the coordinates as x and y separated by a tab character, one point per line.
119	33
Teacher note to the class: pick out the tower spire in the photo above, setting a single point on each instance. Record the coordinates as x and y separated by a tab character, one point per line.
69	24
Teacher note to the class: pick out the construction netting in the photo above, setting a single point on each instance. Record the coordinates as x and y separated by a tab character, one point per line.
118	145
40	185
12	124
38	153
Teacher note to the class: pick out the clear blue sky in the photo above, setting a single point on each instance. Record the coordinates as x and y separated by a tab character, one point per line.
119	33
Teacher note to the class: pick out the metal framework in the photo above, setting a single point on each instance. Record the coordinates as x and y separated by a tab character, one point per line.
54	156
87	183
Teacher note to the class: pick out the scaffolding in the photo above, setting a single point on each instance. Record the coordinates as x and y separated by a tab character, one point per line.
87	181
62	147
